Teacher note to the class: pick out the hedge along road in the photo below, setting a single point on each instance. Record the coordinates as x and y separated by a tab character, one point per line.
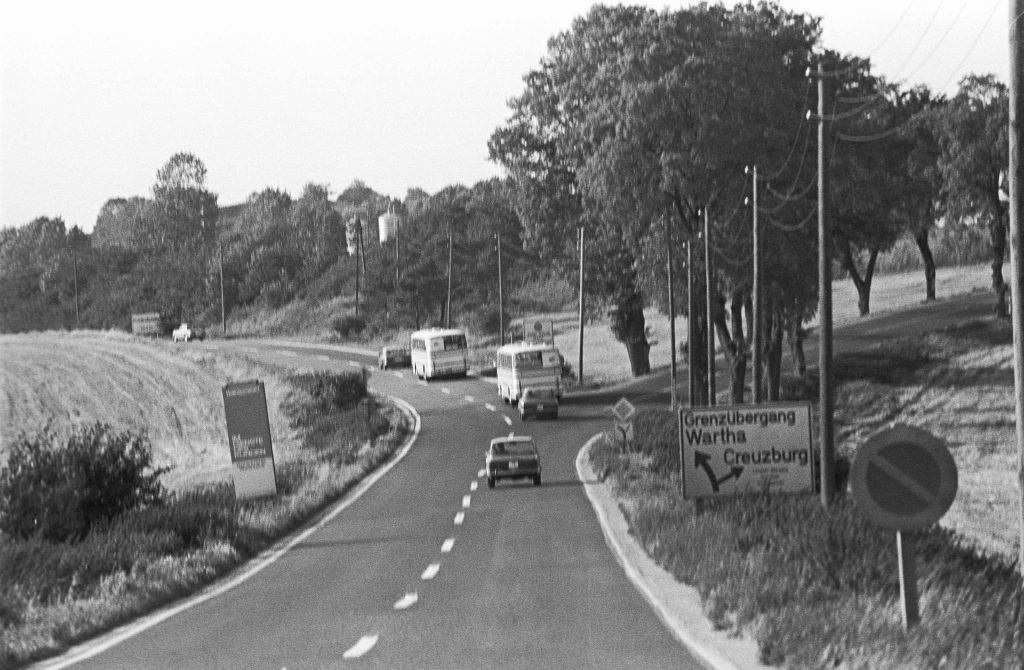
429	568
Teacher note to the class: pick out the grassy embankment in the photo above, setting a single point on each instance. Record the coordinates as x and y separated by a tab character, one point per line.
821	590
54	594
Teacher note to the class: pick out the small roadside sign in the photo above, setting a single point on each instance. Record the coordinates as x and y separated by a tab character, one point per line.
624	431
735	449
904	479
623	410
252	453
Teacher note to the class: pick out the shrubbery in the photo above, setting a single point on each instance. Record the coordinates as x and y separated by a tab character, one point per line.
59	492
329	391
348	326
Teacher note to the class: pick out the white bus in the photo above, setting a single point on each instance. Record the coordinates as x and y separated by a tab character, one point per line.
528	364
437	352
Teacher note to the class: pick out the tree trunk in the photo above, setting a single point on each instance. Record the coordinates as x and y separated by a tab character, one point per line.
639	360
796	347
629	327
921	237
997	233
773	355
862	283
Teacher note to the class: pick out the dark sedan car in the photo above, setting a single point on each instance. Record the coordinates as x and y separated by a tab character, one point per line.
512	457
538	402
393	357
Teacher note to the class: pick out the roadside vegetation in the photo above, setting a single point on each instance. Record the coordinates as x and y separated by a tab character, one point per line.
818	589
90	538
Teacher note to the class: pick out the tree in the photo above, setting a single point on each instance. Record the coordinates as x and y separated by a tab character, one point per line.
973	149
186	212
319	235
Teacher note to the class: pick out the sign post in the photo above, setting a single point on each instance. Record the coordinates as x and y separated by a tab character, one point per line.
623	412
735	449
904	479
252	454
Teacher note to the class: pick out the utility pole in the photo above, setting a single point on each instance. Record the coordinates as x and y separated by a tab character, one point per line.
223	311
358	236
74	260
580	369
501	298
1015	177
826	398
690	321
448	302
671	309
398	259
756	333
710	310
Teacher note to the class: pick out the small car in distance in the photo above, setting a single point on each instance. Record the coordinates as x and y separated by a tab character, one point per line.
538	402
393	357
184	333
512	457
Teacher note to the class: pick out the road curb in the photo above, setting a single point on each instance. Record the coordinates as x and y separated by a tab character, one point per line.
677	605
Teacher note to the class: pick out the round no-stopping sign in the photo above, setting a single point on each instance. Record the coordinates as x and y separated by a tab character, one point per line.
903	478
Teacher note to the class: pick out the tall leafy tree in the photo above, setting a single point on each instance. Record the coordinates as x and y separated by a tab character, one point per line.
186	212
974	148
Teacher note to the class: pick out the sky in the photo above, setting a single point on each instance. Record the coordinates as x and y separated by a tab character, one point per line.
96	96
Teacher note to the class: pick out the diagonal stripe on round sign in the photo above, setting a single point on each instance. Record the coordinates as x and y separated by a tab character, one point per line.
903	478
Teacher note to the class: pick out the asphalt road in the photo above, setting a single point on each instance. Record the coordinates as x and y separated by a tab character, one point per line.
430	568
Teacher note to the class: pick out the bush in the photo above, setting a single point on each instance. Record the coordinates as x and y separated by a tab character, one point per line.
485	320
328	391
60	492
348	326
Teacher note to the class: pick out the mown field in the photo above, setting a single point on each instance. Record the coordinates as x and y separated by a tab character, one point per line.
173	392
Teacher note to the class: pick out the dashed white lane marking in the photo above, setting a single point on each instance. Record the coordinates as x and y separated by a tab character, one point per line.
473	485
251	350
400	375
430	572
459	518
446	391
447	546
465	501
468	398
354	364
423	382
212	346
489	407
508	421
361	648
407	601
481	472
287	352
322	357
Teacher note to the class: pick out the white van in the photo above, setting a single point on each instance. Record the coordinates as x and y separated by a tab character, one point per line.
528	364
439	352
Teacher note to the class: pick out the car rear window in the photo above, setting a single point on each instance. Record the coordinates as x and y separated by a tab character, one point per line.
514	448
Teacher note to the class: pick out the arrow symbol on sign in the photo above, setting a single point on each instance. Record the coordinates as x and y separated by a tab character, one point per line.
703	461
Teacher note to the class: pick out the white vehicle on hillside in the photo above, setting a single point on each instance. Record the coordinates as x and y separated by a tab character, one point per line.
184	333
439	352
528	364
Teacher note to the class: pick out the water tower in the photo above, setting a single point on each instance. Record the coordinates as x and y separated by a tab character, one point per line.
387	225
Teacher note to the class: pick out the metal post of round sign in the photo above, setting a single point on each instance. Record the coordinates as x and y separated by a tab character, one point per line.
904	478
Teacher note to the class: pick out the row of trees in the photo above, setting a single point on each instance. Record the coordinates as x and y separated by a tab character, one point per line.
165	253
637	122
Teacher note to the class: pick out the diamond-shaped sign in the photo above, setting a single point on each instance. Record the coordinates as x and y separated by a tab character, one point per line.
623	410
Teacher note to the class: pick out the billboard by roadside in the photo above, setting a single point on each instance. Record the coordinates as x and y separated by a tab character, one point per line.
736	449
252	454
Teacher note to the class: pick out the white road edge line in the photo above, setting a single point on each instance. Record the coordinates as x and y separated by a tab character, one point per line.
508	421
465	501
430	572
407	601
92	648
361	648
447	546
459	518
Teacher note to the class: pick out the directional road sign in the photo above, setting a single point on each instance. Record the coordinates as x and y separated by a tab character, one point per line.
903	478
252	453
746	449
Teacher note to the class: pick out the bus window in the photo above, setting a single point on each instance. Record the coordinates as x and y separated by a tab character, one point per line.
529	359
454	342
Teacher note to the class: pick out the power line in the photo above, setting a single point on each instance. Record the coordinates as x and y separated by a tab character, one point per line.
920	40
794	227
942	39
803	123
973	44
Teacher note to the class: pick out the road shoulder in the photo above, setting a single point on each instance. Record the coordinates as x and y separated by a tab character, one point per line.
677	605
